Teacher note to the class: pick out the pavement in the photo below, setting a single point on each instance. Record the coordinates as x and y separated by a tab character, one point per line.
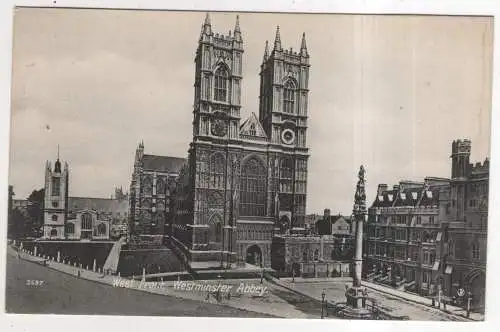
397	303
264	303
279	298
32	288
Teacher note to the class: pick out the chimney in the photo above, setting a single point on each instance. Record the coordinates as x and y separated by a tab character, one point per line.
381	188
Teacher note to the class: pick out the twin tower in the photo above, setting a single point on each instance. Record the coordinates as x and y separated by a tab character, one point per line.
284	77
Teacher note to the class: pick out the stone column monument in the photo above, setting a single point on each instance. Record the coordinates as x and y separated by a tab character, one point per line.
356	297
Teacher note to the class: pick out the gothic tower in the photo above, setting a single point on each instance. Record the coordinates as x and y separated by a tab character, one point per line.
284	78
283	111
217	87
460	167
56	200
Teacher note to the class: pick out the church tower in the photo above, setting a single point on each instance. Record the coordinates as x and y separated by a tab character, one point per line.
284	79
283	111
56	200
218	76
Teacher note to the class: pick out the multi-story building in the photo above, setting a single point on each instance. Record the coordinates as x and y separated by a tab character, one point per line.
244	179
403	235
422	236
466	225
152	181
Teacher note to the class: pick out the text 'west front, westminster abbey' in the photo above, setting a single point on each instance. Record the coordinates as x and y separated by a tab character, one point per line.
244	180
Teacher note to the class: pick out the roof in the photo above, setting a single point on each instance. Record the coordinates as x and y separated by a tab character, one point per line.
97	204
423	195
162	163
252	127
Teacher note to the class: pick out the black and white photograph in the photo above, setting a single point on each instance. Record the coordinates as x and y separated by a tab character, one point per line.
245	164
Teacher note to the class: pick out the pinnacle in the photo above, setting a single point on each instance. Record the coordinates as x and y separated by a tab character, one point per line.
237	26
266	51
277	40
207	19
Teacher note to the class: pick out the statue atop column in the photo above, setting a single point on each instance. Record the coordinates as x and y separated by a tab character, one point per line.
360	195
356	295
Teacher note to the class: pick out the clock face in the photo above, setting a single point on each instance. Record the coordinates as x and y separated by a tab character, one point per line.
219	128
288	136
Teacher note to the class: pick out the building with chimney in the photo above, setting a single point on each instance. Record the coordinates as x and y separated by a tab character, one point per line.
245	179
404	235
424	236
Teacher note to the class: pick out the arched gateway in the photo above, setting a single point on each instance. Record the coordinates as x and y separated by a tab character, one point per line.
254	255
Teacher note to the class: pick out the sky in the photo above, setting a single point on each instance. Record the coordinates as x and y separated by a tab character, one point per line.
388	92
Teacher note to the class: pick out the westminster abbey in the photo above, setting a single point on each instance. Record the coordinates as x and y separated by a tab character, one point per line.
244	180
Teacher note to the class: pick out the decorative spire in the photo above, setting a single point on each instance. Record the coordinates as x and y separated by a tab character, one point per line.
57	165
277	40
207	26
207	19
360	195
266	52
303	46
237	26
237	31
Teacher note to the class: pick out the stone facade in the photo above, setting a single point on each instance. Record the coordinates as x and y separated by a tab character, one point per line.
56	200
466	225
73	218
244	179
422	236
313	256
152	181
404	236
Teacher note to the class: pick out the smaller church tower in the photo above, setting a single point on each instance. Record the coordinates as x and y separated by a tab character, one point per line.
284	90
56	199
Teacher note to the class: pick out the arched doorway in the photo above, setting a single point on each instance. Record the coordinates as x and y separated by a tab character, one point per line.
476	284
254	255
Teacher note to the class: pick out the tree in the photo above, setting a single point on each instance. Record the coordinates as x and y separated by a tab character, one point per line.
35	212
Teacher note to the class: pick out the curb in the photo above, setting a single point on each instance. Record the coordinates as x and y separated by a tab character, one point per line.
465	319
149	292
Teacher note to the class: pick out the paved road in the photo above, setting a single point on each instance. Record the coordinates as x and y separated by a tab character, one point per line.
64	294
335	291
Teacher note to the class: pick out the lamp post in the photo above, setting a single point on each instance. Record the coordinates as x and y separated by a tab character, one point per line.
322	303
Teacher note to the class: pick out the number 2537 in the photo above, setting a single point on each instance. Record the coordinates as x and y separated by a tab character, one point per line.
35	283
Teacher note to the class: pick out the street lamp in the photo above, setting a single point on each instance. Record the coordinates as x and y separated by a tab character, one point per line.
322	303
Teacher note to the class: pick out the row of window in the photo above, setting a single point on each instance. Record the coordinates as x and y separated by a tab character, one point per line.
403	219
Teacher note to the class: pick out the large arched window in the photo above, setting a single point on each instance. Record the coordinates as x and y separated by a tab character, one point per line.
221	80
289	97
53	232
147	186
87	221
160	186
253	188
216	171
